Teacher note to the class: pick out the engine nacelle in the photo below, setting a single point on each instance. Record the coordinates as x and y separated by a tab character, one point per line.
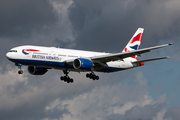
82	63
34	70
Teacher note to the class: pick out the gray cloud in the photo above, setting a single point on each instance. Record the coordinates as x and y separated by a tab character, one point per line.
54	31
117	21
173	113
19	18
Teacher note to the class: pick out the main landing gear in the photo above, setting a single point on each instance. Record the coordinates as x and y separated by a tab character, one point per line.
92	76
19	66
66	78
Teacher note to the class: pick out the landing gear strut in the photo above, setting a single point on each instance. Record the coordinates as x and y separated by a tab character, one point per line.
66	78
19	66
92	76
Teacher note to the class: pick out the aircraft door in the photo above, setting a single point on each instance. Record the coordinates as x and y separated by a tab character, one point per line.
29	56
55	56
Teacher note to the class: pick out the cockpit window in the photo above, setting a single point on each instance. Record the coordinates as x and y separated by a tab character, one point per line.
13	50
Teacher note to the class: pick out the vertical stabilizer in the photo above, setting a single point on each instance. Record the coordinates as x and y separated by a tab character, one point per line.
135	41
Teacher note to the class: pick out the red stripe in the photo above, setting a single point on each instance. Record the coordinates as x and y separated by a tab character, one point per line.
141	63
133	56
125	49
30	50
137	38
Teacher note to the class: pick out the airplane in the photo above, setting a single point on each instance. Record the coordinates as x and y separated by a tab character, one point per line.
40	59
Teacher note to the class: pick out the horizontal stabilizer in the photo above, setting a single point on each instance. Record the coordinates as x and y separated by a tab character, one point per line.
151	59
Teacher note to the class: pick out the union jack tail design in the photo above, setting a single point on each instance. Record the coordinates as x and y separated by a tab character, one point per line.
135	41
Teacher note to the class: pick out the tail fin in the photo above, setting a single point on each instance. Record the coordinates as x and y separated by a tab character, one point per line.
135	41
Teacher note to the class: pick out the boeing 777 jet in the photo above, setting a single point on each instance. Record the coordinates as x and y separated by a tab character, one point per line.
40	59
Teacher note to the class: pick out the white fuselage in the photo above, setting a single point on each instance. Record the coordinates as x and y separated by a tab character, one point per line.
40	59
51	57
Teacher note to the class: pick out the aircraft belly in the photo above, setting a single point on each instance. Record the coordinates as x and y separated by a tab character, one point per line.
110	69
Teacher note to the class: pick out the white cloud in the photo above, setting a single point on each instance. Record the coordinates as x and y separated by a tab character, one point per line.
160	115
104	101
8	80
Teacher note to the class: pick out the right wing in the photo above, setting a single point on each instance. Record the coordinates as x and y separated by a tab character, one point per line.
122	55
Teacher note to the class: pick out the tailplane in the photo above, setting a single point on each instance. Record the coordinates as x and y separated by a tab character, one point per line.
141	62
147	60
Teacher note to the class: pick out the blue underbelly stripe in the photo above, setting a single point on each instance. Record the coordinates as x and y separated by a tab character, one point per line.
60	65
40	63
111	69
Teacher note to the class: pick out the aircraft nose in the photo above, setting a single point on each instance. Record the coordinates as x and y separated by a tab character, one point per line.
8	55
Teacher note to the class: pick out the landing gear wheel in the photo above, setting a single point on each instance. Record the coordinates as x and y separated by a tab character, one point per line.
71	80
61	78
87	75
66	78
97	77
20	72
19	66
92	76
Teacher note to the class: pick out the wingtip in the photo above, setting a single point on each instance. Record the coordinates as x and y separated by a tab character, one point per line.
171	43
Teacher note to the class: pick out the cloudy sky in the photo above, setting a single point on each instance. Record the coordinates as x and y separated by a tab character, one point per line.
150	92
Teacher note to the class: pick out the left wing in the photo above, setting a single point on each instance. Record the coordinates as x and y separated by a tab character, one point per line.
122	55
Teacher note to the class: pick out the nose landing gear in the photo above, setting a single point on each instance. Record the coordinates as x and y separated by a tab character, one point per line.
19	66
20	72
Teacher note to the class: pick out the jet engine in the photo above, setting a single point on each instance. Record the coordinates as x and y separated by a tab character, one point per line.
82	63
34	70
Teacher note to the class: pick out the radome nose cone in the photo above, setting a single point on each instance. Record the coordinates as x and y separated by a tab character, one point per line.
7	56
